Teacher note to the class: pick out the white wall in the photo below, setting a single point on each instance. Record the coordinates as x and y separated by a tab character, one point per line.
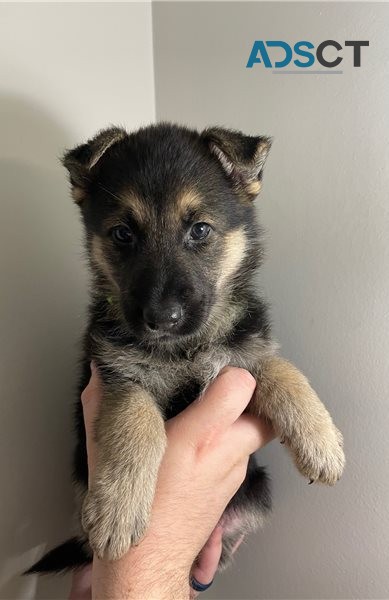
65	71
325	205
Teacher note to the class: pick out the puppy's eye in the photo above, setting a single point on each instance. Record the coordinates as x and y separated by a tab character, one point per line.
200	231
122	235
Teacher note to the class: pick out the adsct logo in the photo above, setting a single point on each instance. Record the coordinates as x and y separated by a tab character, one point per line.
303	55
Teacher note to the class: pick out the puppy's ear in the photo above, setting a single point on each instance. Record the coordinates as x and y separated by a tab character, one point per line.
81	161
241	156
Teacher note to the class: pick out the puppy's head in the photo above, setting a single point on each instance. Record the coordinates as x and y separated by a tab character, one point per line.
169	220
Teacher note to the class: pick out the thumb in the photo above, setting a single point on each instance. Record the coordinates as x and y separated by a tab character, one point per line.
90	399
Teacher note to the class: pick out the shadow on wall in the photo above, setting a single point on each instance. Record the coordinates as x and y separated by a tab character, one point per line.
43	292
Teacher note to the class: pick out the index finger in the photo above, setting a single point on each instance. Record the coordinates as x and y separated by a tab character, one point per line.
222	402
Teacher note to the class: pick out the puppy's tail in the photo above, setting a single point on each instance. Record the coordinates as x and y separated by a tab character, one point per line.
73	554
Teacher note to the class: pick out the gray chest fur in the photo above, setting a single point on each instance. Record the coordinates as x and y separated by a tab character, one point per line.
163	376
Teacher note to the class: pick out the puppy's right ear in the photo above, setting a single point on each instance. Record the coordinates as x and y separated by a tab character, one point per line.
81	160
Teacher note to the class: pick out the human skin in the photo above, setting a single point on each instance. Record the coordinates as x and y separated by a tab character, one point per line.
205	462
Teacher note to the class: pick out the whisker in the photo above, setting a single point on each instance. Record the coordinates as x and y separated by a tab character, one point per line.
109	191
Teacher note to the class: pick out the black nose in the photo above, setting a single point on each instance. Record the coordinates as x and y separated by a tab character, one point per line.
165	316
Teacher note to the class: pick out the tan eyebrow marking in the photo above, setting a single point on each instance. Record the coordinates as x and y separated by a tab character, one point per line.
131	201
189	200
138	208
190	206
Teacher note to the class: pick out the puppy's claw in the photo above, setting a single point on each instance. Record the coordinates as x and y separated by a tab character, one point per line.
319	456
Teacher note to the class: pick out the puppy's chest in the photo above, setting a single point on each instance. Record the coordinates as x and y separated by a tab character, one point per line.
176	383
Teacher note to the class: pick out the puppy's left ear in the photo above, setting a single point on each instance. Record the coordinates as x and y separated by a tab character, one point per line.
241	156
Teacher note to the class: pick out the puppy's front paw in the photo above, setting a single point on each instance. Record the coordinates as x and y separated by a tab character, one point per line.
115	516
318	453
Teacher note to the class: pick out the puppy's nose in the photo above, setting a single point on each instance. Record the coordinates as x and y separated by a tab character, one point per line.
166	316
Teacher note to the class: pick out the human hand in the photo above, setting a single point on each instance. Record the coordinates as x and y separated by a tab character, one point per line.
208	448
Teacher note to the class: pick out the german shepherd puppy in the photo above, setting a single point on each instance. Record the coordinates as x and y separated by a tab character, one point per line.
173	243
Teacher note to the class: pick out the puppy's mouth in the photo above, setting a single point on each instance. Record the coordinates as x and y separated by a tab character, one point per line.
175	332
150	335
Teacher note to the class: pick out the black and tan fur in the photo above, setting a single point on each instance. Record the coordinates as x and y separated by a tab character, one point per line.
168	311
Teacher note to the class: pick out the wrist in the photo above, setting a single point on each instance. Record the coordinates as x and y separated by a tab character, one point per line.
147	572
